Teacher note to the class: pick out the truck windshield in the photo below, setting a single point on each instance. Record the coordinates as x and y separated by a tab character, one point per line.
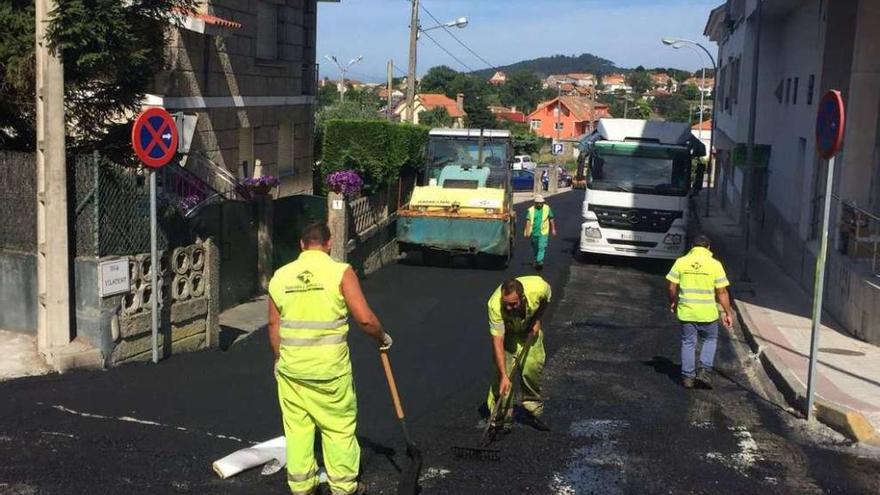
665	176
460	163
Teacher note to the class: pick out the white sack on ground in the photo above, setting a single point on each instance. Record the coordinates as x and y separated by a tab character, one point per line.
251	457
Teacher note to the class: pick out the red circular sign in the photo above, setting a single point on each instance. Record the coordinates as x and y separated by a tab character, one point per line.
154	137
830	124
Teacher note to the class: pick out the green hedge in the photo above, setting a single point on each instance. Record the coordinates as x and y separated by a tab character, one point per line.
379	150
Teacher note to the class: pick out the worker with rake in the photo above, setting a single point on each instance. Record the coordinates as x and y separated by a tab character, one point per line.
310	300
515	312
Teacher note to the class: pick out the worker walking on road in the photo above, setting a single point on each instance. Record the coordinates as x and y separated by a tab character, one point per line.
310	300
540	224
697	282
516	309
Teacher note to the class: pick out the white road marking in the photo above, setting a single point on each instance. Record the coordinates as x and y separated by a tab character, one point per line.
748	453
129	419
595	467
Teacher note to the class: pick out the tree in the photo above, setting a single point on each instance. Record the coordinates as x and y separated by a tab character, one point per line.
438	80
437	117
522	90
640	81
673	108
689	92
327	95
111	51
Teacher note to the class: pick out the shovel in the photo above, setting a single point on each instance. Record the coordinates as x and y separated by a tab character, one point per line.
409	479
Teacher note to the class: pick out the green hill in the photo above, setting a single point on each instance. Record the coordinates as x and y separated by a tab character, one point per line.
557	64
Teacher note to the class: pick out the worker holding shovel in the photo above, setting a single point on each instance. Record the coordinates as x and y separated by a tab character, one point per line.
515	312
310	300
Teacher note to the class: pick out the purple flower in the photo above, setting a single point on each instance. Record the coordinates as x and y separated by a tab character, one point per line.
268	181
345	182
188	203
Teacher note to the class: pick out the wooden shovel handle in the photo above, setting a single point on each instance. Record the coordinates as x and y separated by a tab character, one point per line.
386	364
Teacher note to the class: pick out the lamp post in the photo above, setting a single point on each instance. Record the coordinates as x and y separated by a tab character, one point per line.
678	43
343	69
414	29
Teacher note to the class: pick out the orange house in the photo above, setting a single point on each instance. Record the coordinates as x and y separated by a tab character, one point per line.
577	116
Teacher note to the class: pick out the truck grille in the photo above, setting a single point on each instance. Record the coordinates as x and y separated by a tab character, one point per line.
636	219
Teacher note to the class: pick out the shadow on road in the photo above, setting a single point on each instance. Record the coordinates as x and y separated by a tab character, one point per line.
665	366
228	336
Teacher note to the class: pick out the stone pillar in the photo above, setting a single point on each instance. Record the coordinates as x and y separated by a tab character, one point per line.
554	179
337	220
212	290
264	240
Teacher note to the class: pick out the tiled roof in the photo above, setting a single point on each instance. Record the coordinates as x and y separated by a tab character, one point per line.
707	126
432	100
517	117
579	107
613	79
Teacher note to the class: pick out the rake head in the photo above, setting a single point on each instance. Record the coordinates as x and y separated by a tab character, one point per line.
478	453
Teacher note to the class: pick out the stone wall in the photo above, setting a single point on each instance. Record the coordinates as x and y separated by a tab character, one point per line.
18	292
120	326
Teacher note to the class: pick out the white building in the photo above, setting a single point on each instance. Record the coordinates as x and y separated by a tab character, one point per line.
807	47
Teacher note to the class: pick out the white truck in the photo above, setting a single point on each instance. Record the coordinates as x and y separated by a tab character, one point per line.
641	178
523	162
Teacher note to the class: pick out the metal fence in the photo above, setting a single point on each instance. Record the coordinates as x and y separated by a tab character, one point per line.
860	231
18	201
372	211
112	208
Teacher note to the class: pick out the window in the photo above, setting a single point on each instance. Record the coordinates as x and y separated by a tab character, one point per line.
535	123
787	91
794	95
811	86
779	90
267	31
560	126
734	82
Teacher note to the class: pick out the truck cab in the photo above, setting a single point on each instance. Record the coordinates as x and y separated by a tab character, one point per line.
464	202
523	162
640	180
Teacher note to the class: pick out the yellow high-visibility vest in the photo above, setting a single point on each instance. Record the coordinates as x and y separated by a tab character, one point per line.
697	274
546	215
314	317
536	291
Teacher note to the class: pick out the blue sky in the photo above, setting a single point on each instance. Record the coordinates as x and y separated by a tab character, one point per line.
626	32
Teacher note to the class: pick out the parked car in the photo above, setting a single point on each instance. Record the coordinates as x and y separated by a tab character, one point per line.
522	180
523	162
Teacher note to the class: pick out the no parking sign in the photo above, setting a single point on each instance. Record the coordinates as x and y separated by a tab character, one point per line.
154	137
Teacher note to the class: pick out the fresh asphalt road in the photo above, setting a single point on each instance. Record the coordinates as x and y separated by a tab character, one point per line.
621	423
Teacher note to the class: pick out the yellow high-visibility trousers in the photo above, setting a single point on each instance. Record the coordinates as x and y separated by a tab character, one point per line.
331	407
529	372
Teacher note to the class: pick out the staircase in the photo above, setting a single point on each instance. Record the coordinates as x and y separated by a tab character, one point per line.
200	182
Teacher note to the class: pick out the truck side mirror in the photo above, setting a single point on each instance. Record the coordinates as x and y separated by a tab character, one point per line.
699	176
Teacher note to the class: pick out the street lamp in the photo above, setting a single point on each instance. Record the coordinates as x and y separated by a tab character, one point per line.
414	29
677	43
343	69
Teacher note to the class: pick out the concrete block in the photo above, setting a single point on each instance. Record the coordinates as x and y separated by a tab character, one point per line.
135	325
189	310
136	349
77	355
185	330
265	134
189	344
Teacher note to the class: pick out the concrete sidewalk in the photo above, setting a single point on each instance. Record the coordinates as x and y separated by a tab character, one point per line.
20	356
239	322
776	315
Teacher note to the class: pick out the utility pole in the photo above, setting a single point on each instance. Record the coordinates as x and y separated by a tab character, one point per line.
389	88
750	149
411	73
53	267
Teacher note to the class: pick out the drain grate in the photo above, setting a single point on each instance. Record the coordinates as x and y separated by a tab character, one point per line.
842	352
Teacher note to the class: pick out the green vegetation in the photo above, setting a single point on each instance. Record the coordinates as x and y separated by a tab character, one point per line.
111	50
379	150
437	117
640	81
556	64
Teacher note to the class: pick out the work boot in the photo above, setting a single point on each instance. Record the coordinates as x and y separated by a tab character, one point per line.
704	378
687	382
539	266
536	423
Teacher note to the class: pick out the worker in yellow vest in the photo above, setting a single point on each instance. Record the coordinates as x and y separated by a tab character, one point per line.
697	283
310	300
516	309
540	224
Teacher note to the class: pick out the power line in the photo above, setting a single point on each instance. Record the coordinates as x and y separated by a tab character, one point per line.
456	38
447	51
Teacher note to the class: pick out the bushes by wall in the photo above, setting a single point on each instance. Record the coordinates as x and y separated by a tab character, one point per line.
379	150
